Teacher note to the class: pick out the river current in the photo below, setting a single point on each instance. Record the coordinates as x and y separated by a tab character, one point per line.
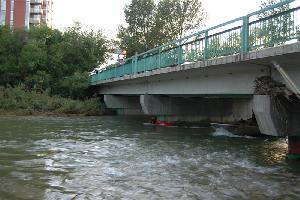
74	158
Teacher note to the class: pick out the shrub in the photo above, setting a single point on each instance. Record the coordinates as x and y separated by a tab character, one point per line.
18	100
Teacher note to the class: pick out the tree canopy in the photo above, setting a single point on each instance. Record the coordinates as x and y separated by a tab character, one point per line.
151	25
42	58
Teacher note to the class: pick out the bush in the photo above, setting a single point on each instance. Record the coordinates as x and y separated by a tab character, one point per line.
18	100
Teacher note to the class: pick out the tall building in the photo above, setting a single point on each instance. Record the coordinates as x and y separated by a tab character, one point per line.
24	13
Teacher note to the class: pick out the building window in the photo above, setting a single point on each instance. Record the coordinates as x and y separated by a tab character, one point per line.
12	8
27	13
3	12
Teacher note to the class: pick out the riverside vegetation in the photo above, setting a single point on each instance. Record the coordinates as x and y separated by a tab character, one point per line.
21	102
46	71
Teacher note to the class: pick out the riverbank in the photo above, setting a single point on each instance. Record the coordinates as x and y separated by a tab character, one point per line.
18	101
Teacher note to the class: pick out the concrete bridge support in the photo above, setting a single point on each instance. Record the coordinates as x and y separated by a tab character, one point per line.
197	109
125	105
267	116
279	117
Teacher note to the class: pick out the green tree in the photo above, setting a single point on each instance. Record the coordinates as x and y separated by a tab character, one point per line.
46	59
277	29
151	25
11	45
137	37
82	50
75	86
267	3
176	17
32	59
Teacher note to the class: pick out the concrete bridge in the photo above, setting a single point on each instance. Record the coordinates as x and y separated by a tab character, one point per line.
245	69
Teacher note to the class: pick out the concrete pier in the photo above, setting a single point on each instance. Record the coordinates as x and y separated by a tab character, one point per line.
293	147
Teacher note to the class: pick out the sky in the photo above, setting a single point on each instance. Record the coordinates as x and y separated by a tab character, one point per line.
106	15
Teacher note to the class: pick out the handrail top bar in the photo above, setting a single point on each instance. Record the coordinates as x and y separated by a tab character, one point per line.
215	27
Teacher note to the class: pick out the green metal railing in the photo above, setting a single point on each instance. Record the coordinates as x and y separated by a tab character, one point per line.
241	35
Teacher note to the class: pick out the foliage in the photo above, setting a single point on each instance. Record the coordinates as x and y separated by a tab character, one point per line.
18	100
274	31
298	32
268	3
75	86
151	25
176	17
42	58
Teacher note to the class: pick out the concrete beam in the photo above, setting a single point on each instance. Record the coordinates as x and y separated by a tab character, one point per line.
218	80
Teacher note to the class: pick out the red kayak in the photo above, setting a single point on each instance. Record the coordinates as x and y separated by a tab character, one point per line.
162	123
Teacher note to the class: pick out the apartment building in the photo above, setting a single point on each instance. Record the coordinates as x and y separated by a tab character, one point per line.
25	13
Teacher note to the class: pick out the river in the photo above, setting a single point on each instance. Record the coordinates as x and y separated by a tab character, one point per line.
120	158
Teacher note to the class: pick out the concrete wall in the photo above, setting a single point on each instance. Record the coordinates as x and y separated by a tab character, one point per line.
125	105
263	112
197	109
277	116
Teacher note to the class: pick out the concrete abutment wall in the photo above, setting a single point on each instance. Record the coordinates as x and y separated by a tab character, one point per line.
277	116
196	109
224	110
124	105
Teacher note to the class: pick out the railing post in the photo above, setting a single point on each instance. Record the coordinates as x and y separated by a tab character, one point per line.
159	58
144	63
245	35
179	53
134	63
206	56
132	66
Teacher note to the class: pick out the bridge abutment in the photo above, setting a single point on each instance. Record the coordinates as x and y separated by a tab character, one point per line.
277	116
267	116
124	105
280	117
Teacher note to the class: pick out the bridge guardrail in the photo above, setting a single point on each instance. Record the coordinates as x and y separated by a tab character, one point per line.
241	35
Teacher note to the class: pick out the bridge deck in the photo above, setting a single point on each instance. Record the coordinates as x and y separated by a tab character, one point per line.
286	55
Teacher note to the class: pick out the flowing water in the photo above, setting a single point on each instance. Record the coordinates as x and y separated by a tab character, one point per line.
120	158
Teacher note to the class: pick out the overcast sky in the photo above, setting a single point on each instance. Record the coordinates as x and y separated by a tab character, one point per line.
106	15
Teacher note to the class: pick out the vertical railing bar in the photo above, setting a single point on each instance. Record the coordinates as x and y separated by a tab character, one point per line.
206	52
159	57
245	34
179	53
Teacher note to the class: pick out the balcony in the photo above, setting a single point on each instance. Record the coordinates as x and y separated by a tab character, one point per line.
34	20
36	11
36	1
